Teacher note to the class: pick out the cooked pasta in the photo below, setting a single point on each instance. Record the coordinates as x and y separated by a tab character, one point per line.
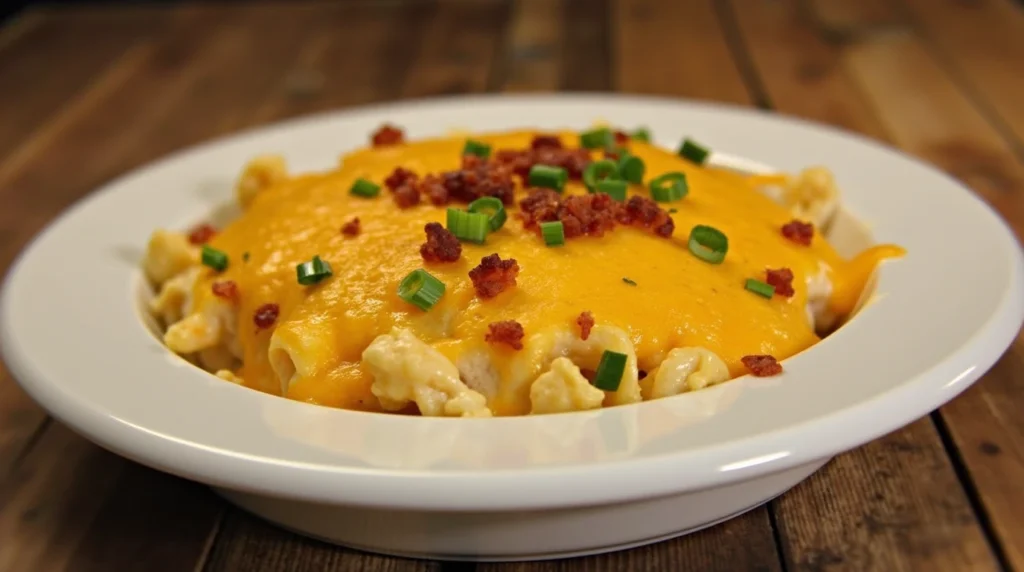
506	274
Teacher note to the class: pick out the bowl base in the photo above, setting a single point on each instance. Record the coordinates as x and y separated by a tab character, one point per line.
520	536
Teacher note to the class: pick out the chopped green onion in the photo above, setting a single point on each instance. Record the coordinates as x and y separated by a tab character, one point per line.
708	243
669	187
365	188
631	168
313	271
628	281
694	151
548	177
492	207
214	258
477	148
641	134
616	189
421	289
553	232
245	256
471	227
598	170
596	138
760	288
610	370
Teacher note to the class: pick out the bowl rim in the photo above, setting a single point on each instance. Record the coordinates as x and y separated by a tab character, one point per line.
243	440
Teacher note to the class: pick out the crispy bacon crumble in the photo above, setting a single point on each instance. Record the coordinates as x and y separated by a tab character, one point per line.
201	234
762	365
798	231
441	244
508	332
494	275
592	214
645	212
387	134
782	280
352	227
585	321
266	315
399	177
226	289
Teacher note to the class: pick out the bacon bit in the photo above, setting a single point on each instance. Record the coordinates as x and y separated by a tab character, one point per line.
201	234
399	177
494	275
266	315
540	205
585	322
441	245
762	365
479	178
546	142
352	227
798	231
647	213
226	289
387	134
508	332
592	214
520	161
782	280
621	138
407	195
435	191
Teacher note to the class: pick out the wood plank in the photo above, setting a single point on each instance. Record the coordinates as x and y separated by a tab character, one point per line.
247	543
50	499
985	421
983	42
586	56
839	18
734	545
30	93
532	56
217	74
782	43
695	62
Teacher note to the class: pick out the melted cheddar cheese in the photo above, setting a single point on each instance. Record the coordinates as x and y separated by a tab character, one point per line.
678	300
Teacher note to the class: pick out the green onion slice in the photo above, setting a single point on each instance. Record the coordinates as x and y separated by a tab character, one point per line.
471	227
669	187
492	207
313	271
548	177
553	232
616	189
641	134
214	258
708	243
629	281
482	150
421	289
760	288
631	168
694	151
364	188
596	138
603	169
610	370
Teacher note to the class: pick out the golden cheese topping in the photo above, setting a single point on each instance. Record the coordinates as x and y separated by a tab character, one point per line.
678	300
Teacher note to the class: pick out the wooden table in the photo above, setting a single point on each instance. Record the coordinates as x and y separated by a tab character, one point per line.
87	93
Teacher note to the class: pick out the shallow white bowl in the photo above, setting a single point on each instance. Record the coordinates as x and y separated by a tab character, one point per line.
515	488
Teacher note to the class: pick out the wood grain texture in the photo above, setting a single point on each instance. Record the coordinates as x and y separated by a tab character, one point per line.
248	543
845	17
694	61
784	44
983	43
178	75
946	129
532	56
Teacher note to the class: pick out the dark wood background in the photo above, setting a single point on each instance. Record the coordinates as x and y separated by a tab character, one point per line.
89	92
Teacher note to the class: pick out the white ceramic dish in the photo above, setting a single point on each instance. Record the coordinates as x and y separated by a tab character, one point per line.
530	487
